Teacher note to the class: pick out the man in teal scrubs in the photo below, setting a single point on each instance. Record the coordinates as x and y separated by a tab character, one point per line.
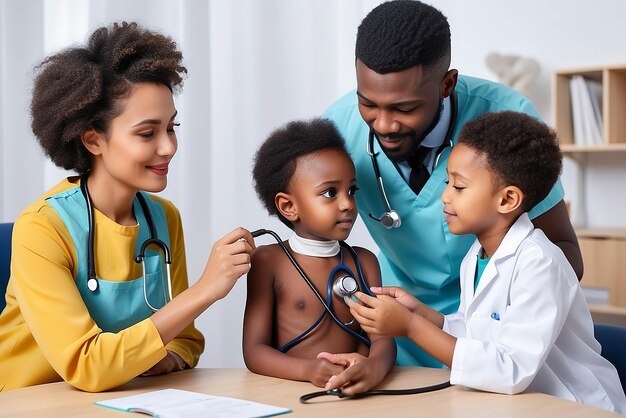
415	106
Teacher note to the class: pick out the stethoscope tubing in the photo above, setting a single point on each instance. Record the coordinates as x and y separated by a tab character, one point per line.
338	392
329	294
327	308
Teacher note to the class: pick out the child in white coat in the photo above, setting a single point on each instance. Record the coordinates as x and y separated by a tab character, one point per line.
523	323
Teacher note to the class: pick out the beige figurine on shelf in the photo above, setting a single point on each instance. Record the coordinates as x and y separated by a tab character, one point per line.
513	70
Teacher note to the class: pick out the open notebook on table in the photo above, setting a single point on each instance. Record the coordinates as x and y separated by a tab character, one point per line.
174	403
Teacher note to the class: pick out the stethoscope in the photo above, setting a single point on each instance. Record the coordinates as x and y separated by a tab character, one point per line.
344	286
391	218
92	282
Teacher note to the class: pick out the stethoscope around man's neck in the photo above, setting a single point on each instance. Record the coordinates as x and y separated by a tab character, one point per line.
391	218
92	281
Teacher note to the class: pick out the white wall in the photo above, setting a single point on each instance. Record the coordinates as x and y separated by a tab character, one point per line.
255	65
558	34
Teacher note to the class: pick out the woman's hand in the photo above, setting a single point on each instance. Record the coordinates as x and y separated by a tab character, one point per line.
171	362
229	260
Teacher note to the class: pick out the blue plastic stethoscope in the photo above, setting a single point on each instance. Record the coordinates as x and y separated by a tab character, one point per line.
344	286
92	281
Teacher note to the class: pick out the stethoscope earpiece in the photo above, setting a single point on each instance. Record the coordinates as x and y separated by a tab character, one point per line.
92	284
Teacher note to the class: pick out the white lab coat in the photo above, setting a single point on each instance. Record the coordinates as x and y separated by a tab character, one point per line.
528	326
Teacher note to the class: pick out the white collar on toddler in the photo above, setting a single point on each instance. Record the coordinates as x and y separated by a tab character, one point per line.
312	247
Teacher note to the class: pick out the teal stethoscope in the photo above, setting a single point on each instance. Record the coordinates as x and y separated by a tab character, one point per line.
92	282
344	286
390	218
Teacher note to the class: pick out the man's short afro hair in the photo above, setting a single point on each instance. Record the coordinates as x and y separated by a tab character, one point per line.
520	150
400	34
276	160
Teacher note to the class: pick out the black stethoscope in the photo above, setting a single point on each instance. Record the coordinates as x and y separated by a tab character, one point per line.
92	281
345	286
390	218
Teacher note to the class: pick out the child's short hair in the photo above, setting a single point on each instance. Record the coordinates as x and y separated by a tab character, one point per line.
275	161
520	150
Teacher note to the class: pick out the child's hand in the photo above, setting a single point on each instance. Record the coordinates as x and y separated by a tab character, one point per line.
321	370
360	374
399	294
384	315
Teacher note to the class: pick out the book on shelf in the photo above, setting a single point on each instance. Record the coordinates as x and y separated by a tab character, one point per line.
175	403
586	103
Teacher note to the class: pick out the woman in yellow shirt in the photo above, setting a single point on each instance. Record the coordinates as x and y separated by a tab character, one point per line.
106	111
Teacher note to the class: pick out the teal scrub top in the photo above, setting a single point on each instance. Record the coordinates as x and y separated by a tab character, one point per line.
422	256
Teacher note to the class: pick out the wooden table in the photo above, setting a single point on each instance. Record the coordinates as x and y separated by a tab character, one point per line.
62	400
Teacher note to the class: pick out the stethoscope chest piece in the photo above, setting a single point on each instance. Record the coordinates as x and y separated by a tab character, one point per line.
390	219
345	286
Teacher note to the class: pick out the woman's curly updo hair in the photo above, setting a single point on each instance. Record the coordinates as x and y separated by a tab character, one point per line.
81	87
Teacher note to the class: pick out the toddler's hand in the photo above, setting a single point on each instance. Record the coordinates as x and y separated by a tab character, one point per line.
360	374
321	370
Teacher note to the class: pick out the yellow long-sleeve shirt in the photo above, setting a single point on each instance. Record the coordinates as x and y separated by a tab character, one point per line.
46	332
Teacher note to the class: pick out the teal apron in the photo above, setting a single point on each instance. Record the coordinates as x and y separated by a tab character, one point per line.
115	306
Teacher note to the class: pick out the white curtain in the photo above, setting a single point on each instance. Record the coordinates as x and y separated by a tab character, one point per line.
253	65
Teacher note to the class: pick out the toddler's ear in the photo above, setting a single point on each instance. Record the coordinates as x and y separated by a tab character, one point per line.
286	206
